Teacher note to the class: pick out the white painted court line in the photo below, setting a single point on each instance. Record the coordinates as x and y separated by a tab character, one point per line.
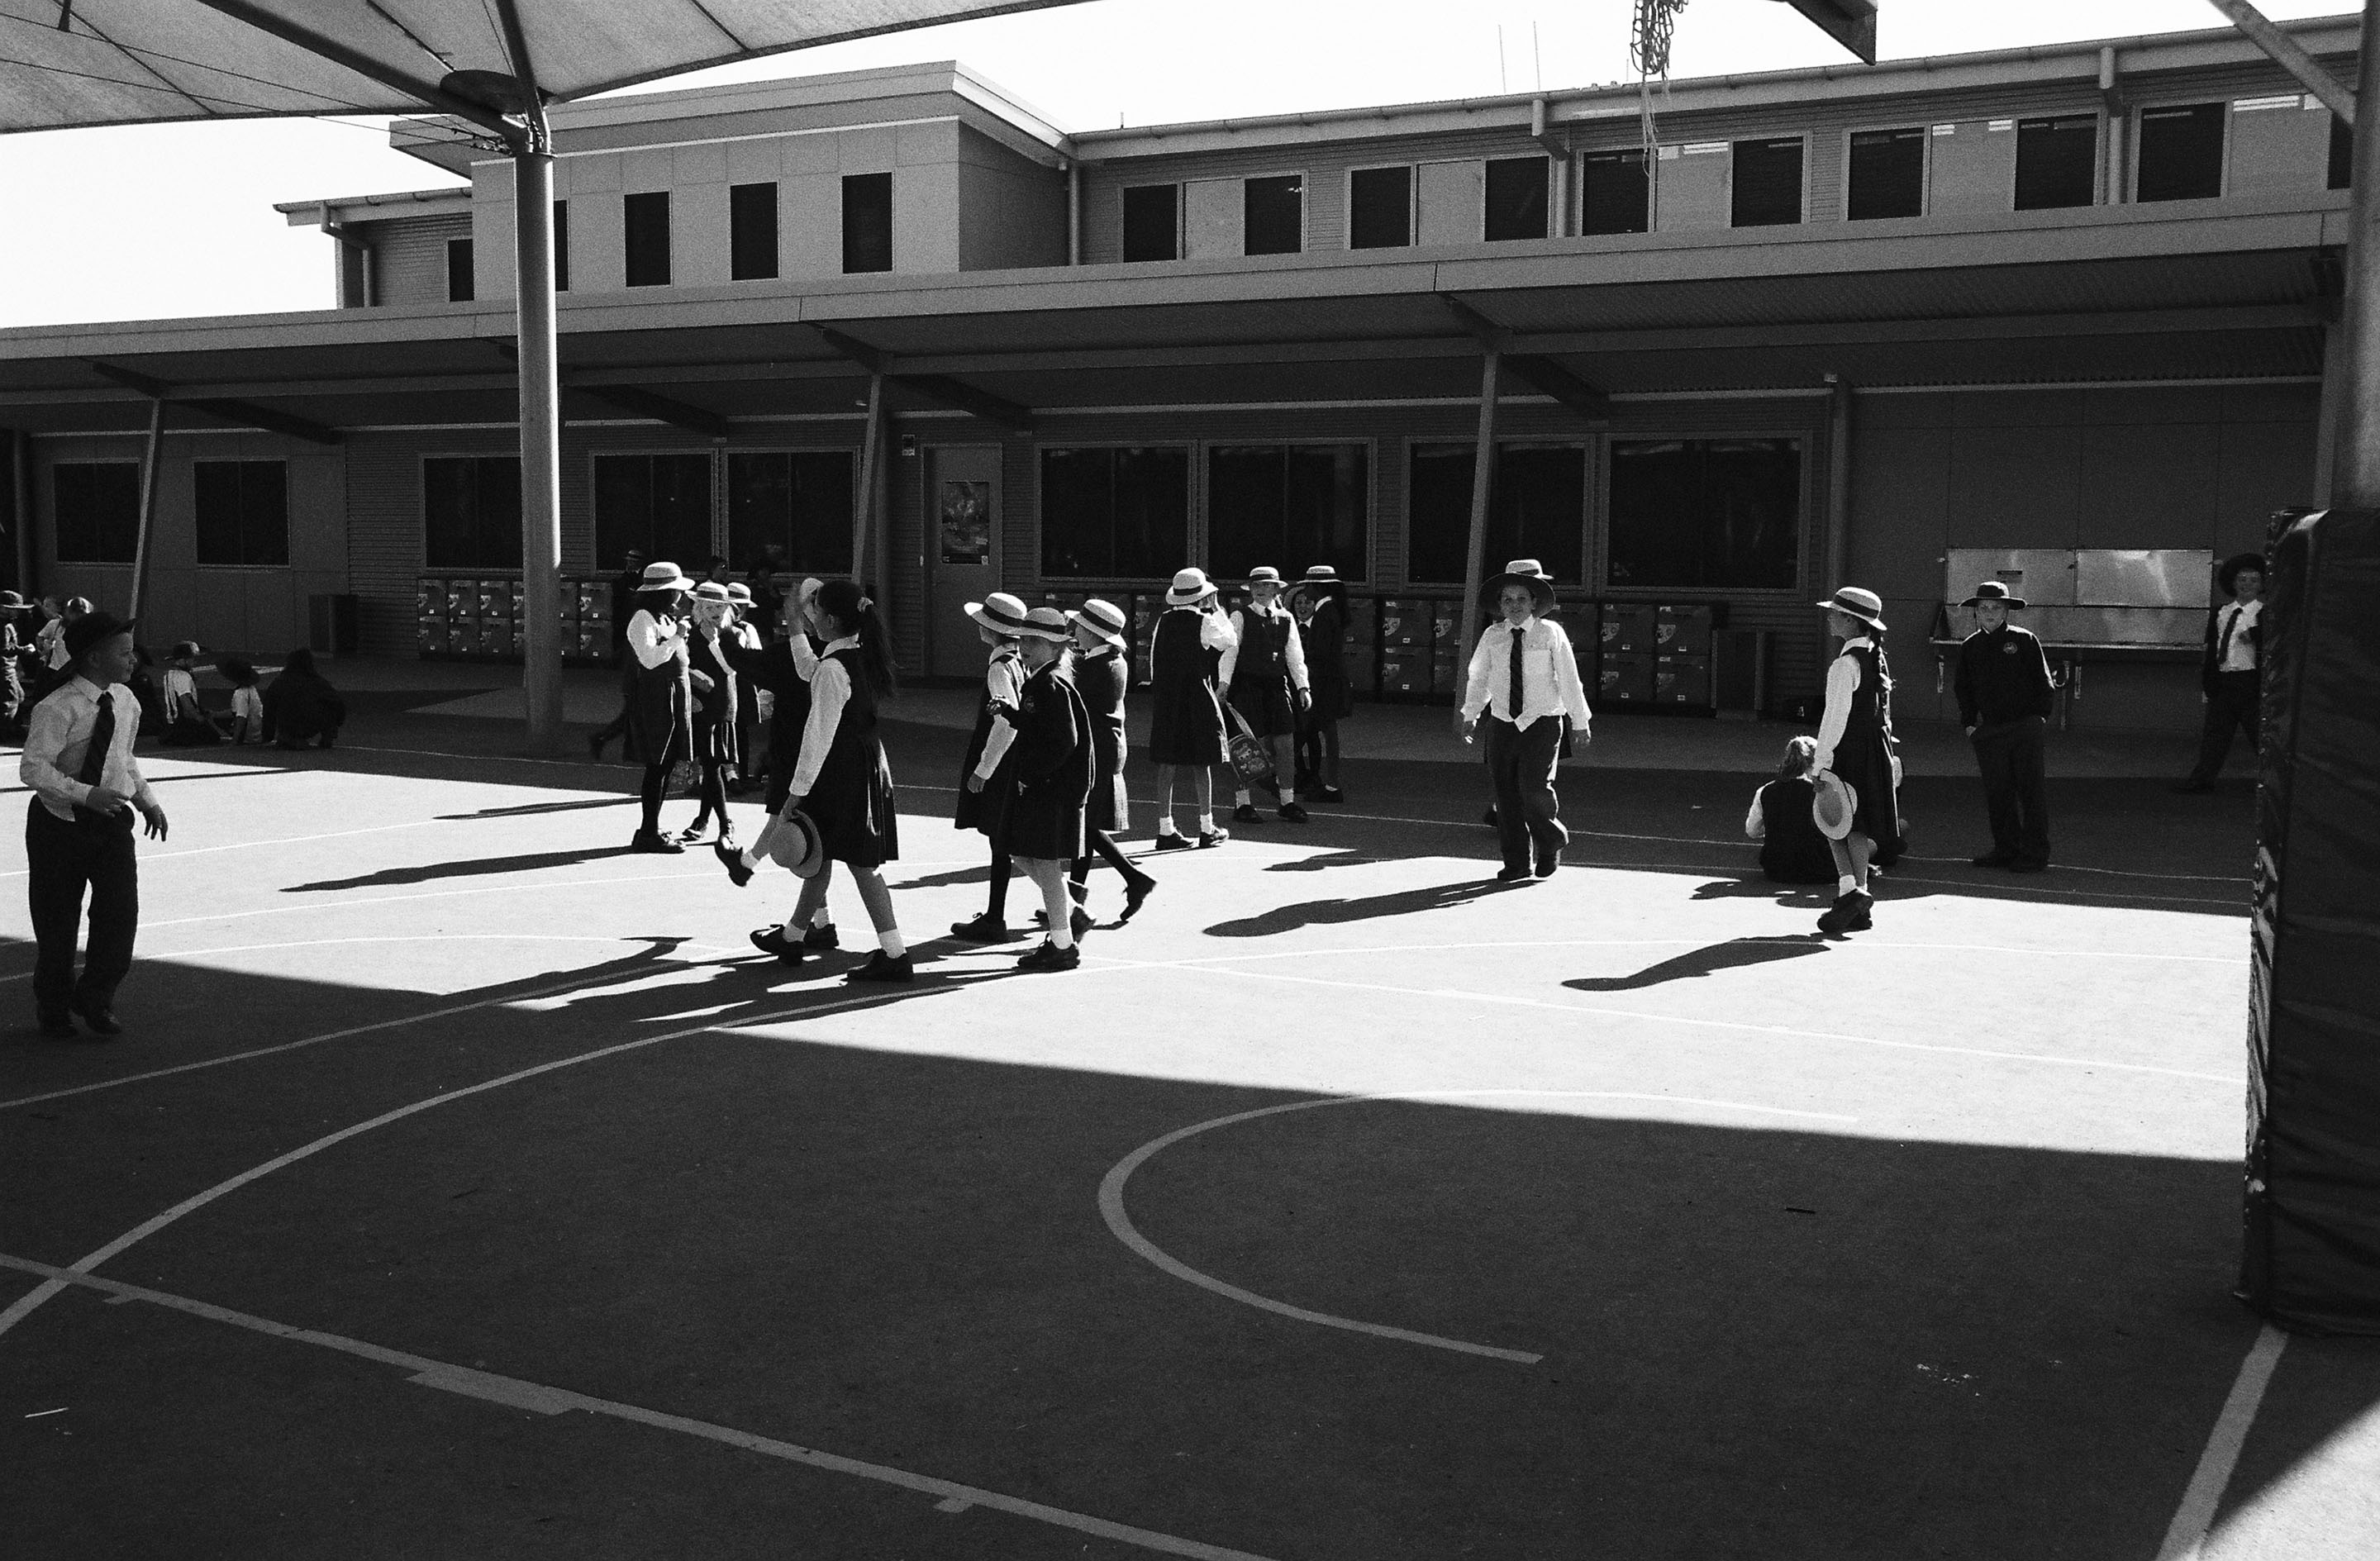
2185	1538
1849	946
542	1399
1120	1224
427	937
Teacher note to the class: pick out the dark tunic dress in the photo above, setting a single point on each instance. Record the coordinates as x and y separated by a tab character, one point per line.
1003	677
716	737
1864	756
1260	686
1185	724
852	801
662	716
1053	761
1325	663
1100	679
1791	849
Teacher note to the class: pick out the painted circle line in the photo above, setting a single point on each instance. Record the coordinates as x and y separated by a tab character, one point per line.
1120	1224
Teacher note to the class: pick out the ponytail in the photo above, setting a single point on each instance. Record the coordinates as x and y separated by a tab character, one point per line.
855	614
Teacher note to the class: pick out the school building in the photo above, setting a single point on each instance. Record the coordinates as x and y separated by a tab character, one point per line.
2058	313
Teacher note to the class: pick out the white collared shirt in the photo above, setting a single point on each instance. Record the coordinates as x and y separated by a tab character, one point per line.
58	738
653	643
829	691
2239	651
1549	685
1843	682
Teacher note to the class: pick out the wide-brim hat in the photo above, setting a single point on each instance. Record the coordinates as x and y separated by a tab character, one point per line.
1048	623
795	845
1524	572
1266	574
1189	585
1865	606
713	592
1103	618
1993	590
1834	804
1002	613
92	627
188	648
1322	573
740	594
10	600
2228	575
662	576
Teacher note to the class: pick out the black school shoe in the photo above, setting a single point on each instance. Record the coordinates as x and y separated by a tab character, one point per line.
771	940
1244	814
732	860
1292	813
1849	913
986	928
101	1018
1134	895
1324	794
654	844
1051	957
1549	865
1173	843
1513	875
1210	838
881	966
1994	859
820	938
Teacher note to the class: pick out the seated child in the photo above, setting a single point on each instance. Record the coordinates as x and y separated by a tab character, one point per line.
187	725
1791	849
246	718
301	706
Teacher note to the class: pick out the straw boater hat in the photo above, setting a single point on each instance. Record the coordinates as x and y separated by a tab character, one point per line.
740	594
10	601
714	593
1992	590
662	576
1265	575
1048	623
1002	613
188	651
1834	804
1865	606
794	845
1525	571
92	627
1189	585
1103	619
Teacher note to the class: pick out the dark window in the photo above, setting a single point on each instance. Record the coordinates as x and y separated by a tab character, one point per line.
97	510
2342	153
1537	508
2181	154
798	501
1152	223
561	246
1116	512
1705	513
1516	197
867	222
470	512
661	503
648	239
1615	197
1887	174
1379	209
461	287
2057	162
1274	210
751	232
243	512
1768	183
1289	507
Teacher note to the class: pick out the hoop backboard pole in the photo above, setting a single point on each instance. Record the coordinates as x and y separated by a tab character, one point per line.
2290	57
1851	23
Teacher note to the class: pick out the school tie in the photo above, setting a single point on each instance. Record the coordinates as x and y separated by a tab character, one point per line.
2223	645
103	736
1514	694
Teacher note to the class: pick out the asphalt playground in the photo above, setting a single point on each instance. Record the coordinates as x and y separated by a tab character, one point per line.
466	1187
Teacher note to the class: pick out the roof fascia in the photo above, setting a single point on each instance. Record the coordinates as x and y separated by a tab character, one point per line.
351	210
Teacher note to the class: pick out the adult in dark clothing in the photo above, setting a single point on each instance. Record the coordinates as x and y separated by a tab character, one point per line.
1319	603
1186	721
1855	743
1044	827
300	704
2005	698
625	587
1791	849
1102	675
661	718
2230	674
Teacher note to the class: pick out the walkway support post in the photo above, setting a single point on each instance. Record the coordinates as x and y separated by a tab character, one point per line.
1483	480
871	477
2355	481
21	474
1839	485
145	545
540	436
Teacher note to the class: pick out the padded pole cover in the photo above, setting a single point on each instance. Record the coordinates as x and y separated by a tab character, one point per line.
2311	1257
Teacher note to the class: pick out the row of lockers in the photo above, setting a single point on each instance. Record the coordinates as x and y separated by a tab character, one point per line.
473	618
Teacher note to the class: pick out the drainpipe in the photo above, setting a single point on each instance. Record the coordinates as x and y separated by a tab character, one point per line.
1558	193
2114	105
1074	212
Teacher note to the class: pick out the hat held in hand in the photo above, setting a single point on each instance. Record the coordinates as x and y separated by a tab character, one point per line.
1834	803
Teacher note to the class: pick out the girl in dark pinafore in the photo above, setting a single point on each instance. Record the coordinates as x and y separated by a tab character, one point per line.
984	779
1855	742
712	649
1318	602
1102	673
1186	721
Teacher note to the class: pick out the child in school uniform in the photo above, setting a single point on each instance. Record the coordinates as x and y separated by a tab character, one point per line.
661	716
984	784
1102	673
780	679
841	780
1186	721
187	724
744	642
1042	826
1318	603
86	784
1791	849
1264	677
247	699
710	649
1523	686
1855	743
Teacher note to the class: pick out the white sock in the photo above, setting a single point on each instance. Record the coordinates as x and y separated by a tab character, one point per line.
824	918
1165	826
1240	798
1207	823
1288	797
748	858
1062	933
891	944
1846	884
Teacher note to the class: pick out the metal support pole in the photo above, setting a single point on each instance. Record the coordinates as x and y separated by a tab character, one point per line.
28	575
2290	55
871	462
2355	476
1074	212
1839	487
880	501
1483	479
145	547
2111	173
540	439
2335	368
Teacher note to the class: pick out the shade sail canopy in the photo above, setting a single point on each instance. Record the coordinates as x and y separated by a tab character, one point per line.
70	62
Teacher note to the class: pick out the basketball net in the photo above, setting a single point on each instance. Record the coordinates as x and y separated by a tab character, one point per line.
1649	45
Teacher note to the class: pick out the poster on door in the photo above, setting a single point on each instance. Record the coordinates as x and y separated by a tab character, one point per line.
966	522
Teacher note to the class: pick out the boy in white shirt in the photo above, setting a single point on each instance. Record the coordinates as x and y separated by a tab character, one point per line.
1524	681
